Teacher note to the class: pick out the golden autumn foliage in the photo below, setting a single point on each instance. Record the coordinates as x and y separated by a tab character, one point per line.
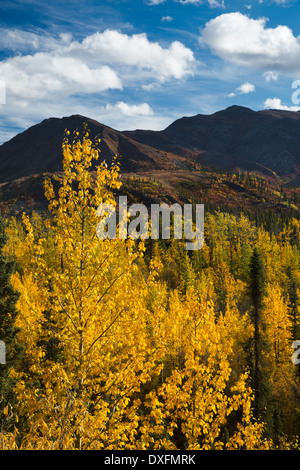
129	351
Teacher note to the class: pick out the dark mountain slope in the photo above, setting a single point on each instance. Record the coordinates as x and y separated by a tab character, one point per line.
235	137
39	149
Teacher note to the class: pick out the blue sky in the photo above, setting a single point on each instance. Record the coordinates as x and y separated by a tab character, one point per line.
144	63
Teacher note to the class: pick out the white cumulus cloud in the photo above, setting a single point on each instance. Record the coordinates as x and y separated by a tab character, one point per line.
35	77
62	67
249	42
131	109
116	48
243	89
246	88
45	75
275	103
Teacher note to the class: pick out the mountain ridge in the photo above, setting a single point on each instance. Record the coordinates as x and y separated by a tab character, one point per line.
235	159
236	138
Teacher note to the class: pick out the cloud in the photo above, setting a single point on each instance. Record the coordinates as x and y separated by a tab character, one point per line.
116	48
57	76
270	76
284	2
215	3
275	103
123	116
36	77
119	115
212	3
248	42
46	75
101	62
281	2
42	68
243	89
167	18
246	88
20	42
131	110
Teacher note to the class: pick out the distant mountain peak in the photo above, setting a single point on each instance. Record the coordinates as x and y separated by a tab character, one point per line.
236	108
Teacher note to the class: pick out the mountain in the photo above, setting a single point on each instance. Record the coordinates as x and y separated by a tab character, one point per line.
39	149
237	137
191	159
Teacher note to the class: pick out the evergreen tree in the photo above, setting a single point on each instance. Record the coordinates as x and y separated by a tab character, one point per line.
293	304
8	330
256	288
277	424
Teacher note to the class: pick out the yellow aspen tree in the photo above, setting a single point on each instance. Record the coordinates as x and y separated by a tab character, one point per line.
191	408
279	366
237	331
81	394
278	328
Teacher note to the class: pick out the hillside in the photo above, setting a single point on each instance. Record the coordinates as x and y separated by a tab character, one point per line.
233	159
237	137
39	149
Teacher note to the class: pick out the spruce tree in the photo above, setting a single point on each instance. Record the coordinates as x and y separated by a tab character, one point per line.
293	304
256	288
8	331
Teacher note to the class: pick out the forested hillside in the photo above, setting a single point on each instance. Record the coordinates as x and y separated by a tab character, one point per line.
122	344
